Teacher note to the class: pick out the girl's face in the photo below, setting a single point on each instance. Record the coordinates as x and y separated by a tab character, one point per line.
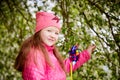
49	35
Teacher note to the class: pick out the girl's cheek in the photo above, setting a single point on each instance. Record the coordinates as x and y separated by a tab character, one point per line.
57	39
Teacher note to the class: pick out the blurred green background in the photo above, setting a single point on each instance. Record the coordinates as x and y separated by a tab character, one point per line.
83	21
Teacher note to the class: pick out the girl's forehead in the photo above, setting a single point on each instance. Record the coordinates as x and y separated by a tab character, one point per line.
52	28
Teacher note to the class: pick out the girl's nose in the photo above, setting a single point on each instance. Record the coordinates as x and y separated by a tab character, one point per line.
53	35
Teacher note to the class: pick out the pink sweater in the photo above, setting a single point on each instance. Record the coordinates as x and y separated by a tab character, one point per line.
45	72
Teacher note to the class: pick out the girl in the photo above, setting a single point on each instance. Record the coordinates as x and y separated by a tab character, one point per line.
39	59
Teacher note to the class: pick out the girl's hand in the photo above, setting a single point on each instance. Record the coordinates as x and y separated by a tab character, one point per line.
91	48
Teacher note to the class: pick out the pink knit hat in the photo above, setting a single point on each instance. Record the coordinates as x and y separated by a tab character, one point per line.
45	19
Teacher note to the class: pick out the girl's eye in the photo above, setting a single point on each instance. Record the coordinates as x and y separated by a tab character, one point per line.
49	30
56	33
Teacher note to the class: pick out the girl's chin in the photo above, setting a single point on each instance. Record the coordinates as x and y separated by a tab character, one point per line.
50	44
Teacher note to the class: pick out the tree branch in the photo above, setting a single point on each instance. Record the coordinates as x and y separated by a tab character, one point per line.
27	20
108	16
93	29
100	38
102	11
110	25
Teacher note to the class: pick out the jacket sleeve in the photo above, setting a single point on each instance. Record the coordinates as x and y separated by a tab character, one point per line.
84	56
34	69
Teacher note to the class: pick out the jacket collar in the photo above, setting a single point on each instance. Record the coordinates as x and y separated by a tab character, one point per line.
49	48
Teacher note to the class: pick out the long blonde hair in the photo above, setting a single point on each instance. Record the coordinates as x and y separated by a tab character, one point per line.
36	42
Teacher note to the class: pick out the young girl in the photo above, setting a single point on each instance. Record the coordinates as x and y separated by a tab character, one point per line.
39	59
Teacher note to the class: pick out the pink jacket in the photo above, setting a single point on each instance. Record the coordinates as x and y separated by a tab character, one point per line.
45	72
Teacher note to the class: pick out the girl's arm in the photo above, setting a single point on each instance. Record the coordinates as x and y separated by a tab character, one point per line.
33	73
84	56
35	68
